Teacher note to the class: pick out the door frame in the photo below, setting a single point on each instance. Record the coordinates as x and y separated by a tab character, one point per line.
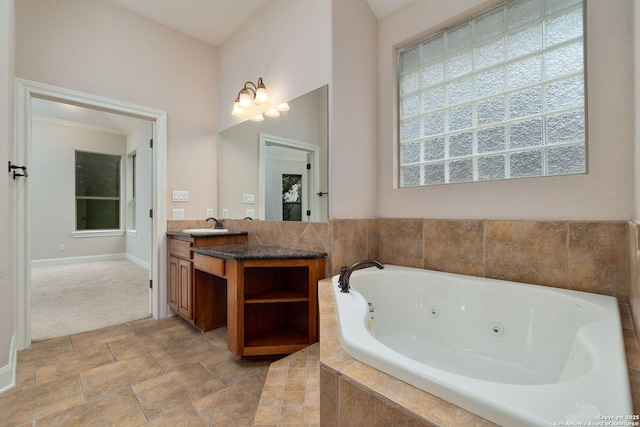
25	91
314	178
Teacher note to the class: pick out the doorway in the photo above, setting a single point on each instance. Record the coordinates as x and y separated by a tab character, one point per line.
27	91
279	157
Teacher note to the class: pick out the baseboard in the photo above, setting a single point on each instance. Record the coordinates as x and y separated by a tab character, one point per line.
8	372
142	263
75	260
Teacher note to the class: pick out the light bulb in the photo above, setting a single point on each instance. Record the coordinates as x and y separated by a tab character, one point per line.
238	111
261	95
245	99
272	112
257	118
283	107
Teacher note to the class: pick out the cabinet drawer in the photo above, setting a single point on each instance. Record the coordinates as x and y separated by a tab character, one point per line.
209	264
180	248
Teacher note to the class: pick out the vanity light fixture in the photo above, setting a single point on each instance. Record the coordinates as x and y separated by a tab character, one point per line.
255	95
250	95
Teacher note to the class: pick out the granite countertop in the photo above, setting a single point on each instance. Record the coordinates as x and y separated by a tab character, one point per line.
201	234
244	251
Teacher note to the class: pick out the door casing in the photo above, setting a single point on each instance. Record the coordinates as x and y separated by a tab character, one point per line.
25	90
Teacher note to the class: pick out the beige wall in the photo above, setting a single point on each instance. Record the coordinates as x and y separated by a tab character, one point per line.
101	49
605	193
352	116
287	44
53	190
7	309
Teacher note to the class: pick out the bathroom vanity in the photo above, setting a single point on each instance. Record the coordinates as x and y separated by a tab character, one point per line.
266	296
181	272
271	304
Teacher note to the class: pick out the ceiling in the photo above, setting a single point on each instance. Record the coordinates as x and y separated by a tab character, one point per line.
213	21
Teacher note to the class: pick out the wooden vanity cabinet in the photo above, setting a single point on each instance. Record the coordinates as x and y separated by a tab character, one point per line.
183	298
272	305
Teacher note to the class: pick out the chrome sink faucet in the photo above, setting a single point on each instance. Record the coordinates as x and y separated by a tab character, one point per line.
218	222
345	273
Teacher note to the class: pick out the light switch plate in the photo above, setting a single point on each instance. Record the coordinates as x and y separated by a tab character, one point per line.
180	196
249	198
225	213
178	214
251	213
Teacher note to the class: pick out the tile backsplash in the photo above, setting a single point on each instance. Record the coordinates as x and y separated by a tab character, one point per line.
586	256
590	256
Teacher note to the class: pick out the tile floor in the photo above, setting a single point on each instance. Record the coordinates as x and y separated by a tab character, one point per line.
291	394
148	372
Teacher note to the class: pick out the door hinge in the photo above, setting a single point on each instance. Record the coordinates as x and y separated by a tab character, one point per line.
151	143
150	284
308	166
150	213
308	213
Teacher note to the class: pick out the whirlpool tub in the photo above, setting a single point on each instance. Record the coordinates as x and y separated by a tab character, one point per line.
515	354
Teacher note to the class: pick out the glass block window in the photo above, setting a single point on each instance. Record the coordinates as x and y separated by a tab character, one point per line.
97	191
499	96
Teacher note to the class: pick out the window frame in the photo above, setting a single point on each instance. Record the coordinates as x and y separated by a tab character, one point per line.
473	102
117	231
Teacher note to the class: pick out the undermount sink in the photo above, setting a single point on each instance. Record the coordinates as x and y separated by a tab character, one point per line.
205	230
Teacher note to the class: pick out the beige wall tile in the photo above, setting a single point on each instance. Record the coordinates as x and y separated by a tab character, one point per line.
527	251
349	242
328	397
455	246
598	258
360	408
401	242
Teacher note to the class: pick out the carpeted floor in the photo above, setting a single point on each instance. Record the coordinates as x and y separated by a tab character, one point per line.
71	298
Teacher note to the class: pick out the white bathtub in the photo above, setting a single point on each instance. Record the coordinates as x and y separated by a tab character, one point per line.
515	354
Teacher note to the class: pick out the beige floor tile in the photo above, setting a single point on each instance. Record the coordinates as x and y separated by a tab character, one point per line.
68	363
183	331
236	405
139	344
218	337
103	380
179	355
101	336
22	406
116	409
184	416
266	414
25	375
160	395
163	368
149	323
292	414
229	368
45	349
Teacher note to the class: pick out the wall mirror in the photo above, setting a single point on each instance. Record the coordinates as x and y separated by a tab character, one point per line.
276	169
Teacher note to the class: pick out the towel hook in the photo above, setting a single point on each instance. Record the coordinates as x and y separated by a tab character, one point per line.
12	168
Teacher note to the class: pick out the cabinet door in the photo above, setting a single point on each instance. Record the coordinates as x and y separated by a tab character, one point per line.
185	272
174	283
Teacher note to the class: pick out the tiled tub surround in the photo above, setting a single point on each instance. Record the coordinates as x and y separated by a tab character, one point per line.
355	394
587	256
